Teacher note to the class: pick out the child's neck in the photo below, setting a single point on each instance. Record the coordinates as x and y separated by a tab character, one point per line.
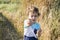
34	22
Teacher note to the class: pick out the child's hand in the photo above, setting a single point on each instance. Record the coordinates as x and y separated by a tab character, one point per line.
28	22
39	32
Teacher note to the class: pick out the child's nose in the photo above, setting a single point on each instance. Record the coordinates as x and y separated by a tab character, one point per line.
33	17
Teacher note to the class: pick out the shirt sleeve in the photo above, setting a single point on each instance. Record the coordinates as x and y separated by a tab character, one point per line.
37	26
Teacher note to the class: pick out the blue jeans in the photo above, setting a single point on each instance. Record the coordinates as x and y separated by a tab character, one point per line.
30	38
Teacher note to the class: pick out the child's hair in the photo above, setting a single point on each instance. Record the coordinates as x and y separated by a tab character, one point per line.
33	9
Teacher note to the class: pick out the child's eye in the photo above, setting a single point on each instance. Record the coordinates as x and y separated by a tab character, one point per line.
34	16
31	16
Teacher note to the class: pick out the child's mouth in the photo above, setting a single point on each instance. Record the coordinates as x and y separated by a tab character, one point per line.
33	20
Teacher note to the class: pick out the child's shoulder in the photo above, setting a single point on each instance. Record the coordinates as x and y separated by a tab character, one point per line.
37	23
36	26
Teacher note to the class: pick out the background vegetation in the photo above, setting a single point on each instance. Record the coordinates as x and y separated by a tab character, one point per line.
13	14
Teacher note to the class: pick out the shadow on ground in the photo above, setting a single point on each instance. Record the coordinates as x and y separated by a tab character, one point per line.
7	30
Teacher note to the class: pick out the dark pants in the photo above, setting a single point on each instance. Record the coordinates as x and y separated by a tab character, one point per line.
30	38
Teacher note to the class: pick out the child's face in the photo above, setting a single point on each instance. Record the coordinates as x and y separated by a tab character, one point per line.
33	16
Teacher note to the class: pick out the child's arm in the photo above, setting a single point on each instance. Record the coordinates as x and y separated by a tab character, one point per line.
39	32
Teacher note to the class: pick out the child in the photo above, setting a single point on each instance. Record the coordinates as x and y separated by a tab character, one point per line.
31	27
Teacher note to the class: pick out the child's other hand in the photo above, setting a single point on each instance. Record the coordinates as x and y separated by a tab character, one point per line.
28	22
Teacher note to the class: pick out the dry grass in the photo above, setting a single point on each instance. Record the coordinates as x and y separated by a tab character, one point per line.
49	18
